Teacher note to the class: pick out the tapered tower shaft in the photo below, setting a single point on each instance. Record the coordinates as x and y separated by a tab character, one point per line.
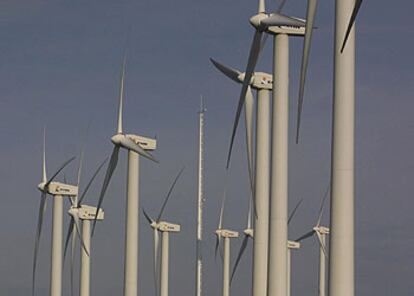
56	258
200	201
164	263
226	267
341	263
85	272
322	267
131	230
277	280
261	194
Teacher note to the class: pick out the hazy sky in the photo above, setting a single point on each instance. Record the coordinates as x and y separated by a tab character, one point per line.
59	67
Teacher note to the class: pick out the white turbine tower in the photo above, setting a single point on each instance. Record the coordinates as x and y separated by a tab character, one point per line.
226	235
57	190
342	245
249	234
200	202
321	232
259	176
80	225
272	264
165	228
135	145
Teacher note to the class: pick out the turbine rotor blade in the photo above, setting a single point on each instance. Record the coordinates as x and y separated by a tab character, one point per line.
169	194
251	64
231	73
249	110
110	170
216	246
121	94
91	181
321	244
220	224
351	22
68	235
318	222
310	18
59	170
150	221
306	235
131	145
44	176
294	211
42	210
242	249
281	5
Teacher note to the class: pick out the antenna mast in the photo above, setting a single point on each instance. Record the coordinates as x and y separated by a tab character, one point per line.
200	200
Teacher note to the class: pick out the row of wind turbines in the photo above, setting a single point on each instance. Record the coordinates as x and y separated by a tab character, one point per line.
267	154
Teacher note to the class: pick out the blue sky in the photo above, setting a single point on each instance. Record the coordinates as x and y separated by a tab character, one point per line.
59	67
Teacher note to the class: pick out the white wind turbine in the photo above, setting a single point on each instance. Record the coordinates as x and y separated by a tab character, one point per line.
57	190
249	234
226	234
80	225
165	228
258	168
342	244
135	145
273	248
321	232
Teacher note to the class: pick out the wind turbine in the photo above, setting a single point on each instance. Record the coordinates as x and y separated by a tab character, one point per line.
80	224
249	234
259	176
57	190
342	243
135	145
281	26
165	228
321	232
226	234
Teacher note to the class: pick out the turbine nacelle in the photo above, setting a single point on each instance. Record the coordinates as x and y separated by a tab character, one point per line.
260	80
276	23
57	188
248	232
293	245
168	227
145	143
227	233
89	213
321	229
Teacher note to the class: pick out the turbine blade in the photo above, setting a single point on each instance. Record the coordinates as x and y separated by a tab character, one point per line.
249	110
42	210
241	252
231	73
169	194
281	5
351	22
82	152
216	246
44	176
220	224
68	235
321	244
131	145
111	168
310	18
251	64
323	205
305	236
147	217
121	94
78	232
249	214
294	211
91	181
59	170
